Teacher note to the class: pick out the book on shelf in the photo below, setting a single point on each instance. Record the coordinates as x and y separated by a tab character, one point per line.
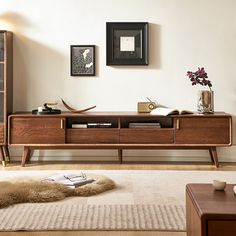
70	180
165	111
79	126
146	125
99	125
92	125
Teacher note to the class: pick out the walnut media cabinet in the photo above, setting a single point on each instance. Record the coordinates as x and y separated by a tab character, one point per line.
193	131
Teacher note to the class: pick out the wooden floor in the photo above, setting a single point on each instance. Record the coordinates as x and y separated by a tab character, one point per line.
117	166
81	166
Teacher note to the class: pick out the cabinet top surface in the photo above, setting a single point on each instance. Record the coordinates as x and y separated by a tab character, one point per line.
210	203
116	114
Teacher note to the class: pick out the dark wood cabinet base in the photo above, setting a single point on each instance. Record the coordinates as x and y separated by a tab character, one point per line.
210	212
175	132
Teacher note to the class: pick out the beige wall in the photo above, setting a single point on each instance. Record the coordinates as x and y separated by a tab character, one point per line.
184	34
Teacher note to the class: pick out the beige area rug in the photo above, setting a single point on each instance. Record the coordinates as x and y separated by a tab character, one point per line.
143	200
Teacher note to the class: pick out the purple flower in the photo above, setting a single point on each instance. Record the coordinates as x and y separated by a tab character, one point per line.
199	77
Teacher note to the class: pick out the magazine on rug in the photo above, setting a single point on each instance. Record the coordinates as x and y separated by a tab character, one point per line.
165	111
70	179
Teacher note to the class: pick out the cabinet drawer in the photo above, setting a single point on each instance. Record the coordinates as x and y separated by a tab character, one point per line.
221	227
203	131
43	130
152	136
89	136
1	133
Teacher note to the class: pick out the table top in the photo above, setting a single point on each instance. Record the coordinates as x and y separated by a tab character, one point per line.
210	203
117	114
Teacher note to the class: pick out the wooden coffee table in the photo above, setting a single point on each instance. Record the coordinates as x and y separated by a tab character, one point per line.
210	212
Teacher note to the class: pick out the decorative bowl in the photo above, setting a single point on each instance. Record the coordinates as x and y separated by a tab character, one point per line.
219	185
234	189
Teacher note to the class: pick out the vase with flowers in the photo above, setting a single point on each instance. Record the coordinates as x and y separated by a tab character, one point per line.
205	102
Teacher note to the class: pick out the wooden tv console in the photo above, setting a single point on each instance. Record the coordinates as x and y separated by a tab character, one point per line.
193	131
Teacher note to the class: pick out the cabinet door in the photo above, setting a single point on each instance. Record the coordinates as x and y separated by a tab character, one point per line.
205	131
42	130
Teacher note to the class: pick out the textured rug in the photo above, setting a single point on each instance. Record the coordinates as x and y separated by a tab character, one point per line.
142	200
40	217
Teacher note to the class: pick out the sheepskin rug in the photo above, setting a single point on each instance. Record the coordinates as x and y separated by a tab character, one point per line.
41	191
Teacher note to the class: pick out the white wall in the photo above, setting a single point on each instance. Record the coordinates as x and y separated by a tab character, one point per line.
184	35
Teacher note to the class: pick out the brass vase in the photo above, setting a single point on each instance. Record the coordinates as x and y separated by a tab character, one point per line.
205	101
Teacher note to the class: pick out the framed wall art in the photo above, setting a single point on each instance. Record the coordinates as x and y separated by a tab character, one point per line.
82	60
127	43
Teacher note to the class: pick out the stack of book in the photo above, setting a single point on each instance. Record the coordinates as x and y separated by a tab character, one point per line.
92	125
144	125
100	125
70	180
79	126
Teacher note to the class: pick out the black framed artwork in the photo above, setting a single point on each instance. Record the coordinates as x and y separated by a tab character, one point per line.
127	43
82	60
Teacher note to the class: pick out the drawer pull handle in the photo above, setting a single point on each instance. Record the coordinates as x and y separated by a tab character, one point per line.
177	124
62	124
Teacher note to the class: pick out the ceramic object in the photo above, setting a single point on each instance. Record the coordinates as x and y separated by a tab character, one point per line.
234	189
219	185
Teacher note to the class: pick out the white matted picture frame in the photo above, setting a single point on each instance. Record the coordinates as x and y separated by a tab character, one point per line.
127	43
82	60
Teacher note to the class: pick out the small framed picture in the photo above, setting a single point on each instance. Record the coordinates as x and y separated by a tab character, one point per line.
127	43
82	60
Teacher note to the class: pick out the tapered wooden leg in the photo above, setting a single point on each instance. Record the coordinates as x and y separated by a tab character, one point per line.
2	156
214	156
120	155
7	154
25	156
211	155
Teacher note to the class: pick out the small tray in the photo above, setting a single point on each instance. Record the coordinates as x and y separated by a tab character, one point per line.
46	112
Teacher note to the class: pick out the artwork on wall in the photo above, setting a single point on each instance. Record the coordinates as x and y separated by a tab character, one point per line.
127	43
82	60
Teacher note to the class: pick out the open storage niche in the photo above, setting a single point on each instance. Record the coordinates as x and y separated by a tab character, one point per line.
146	135
165	122
92	135
92	119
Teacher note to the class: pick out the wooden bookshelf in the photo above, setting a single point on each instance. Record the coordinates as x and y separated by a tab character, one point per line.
6	87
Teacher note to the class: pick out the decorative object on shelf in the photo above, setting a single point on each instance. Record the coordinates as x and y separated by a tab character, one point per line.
127	43
219	185
205	101
82	60
47	110
205	97
146	107
74	110
234	189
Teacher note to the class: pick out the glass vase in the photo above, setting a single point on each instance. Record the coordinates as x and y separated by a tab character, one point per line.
205	102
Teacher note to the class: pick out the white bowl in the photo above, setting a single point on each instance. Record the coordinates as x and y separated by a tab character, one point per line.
234	189
219	185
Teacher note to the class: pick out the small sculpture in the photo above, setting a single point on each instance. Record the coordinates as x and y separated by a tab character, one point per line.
74	110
